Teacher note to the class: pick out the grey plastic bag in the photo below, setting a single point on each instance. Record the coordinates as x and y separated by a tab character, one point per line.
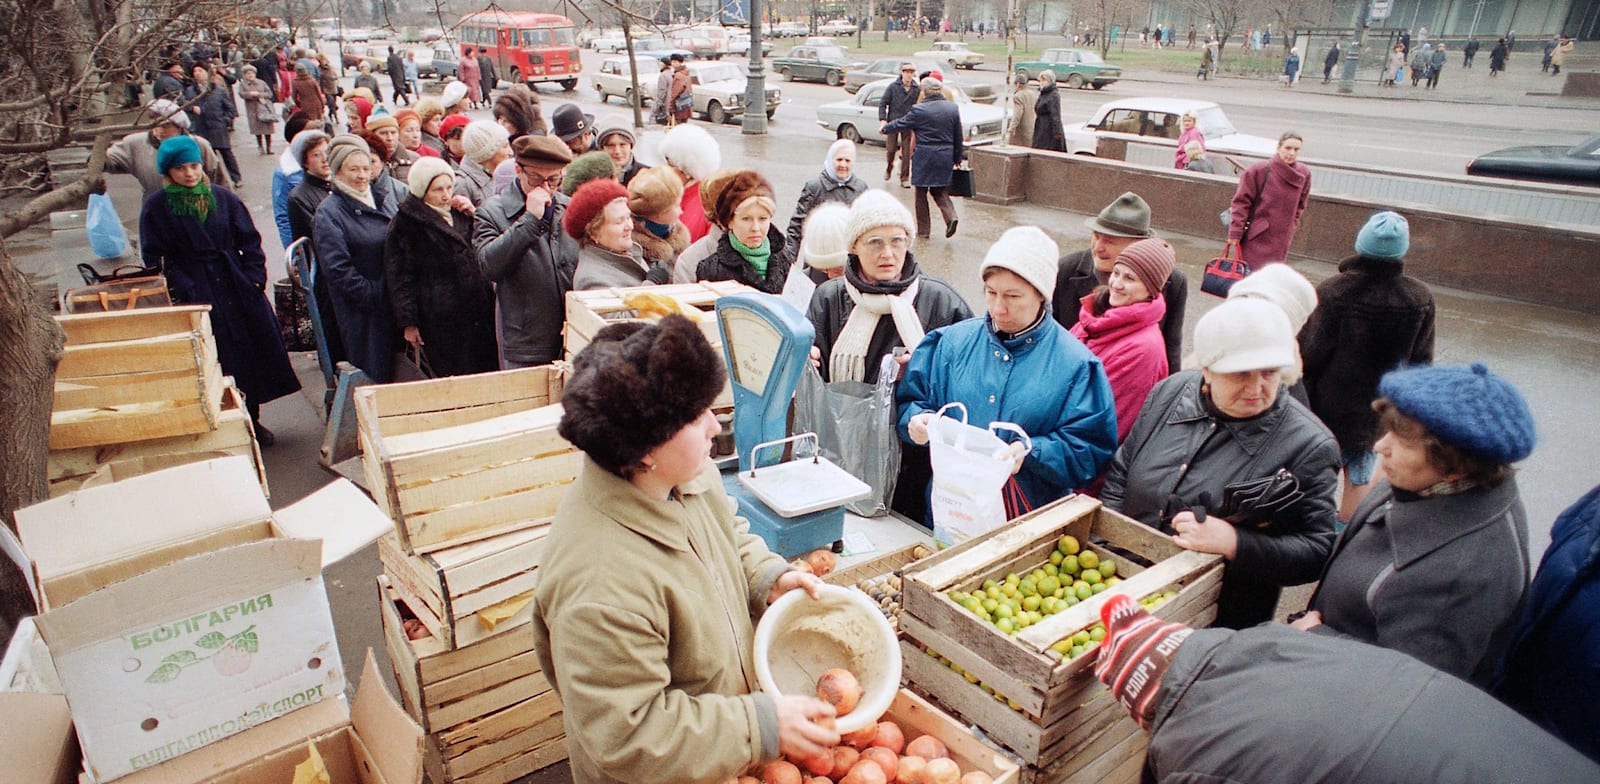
855	427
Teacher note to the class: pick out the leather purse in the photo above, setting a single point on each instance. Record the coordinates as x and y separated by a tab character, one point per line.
1254	503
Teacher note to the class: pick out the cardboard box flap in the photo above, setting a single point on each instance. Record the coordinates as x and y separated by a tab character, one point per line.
13	550
37	745
339	514
101	524
394	739
158	596
230	753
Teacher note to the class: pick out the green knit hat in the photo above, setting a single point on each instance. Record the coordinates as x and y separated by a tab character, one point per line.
588	166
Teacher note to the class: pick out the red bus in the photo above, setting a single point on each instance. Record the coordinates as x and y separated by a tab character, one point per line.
525	47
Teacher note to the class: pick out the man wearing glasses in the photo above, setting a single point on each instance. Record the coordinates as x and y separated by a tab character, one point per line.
897	100
523	250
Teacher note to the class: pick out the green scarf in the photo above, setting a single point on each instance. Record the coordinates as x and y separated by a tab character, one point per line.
757	256
198	201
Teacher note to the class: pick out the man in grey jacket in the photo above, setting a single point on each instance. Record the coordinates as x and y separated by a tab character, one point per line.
1273	704
523	250
897	100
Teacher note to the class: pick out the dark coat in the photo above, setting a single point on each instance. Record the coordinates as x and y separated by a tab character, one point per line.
215	121
168	86
1048	133
633	167
489	78
1451	587
303	202
220	263
1497	57
531	262
396	66
821	190
897	100
435	285
937	305
1369	319
725	263
1181	454
1272	704
1076	278
936	125
1271	197
1552	669
349	237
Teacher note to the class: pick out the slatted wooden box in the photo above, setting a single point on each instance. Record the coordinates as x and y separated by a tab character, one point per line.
459	459
917	717
489	714
134	376
1067	719
448	588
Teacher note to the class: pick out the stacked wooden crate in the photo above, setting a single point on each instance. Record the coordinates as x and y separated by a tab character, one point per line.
1048	710
142	385
471	470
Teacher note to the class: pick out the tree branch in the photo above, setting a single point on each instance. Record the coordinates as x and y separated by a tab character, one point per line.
41	206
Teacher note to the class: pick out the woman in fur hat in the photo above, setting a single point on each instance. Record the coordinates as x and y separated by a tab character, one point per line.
599	219
837	183
441	300
655	196
752	251
695	156
663	664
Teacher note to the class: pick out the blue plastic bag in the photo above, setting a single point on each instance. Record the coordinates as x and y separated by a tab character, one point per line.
107	238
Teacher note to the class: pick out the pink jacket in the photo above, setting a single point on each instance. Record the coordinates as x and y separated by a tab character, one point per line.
1192	135
1278	191
1128	342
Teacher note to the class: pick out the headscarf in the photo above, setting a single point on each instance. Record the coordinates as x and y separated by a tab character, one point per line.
833	152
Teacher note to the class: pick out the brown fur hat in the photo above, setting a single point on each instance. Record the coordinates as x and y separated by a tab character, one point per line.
711	187
513	107
743	185
635	386
653	190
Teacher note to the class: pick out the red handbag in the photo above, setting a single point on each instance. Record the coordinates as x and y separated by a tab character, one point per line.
1225	270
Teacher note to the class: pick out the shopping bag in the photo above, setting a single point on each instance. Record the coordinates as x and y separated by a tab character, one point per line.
121	294
106	236
855	427
1223	271
294	316
961	184
970	470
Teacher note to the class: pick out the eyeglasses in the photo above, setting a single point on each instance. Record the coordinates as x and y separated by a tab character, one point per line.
878	244
553	181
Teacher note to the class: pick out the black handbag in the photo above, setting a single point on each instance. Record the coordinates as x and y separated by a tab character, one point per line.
1253	503
961	182
1224	271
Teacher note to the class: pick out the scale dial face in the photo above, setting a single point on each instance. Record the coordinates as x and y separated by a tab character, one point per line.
754	345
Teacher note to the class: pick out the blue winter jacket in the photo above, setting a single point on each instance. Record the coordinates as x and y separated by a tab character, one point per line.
1551	672
1044	381
283	183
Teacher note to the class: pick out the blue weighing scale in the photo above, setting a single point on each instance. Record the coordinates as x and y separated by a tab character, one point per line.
796	506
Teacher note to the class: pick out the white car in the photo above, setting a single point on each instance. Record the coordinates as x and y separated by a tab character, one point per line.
790	30
739	43
953	52
836	27
608	41
857	118
1161	118
719	91
613	78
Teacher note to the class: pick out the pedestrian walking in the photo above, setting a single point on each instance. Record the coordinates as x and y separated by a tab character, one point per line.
935	123
680	97
305	94
1436	65
1394	68
1048	133
396	66
1419	65
258	111
409	67
1024	98
365	79
328	83
1468	52
490	78
658	112
1330	60
1559	57
214	112
898	98
1549	49
1497	58
837	183
1267	206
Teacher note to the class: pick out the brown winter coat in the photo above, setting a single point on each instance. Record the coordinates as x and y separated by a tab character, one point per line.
681	84
307	96
658	249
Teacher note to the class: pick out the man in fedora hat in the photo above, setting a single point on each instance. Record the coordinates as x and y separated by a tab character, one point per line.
523	250
572	126
1122	223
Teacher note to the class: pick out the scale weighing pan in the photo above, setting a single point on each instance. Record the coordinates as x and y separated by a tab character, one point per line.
802	485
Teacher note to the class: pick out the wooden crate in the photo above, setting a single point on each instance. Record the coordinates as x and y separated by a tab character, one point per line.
68	469
590	311
136	375
446	588
459	459
1064	712
917	717
877	571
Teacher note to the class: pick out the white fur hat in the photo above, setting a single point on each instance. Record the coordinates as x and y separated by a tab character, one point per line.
877	208
482	139
1028	252
453	93
1245	334
825	244
690	148
1281	285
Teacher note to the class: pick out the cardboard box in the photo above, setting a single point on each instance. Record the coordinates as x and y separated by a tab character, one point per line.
371	742
36	741
180	610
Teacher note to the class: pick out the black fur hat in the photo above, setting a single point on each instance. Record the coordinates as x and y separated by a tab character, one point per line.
635	386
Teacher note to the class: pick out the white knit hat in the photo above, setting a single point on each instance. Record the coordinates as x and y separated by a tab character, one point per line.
825	245
453	93
1245	334
169	111
1028	252
482	139
877	208
691	149
424	171
1281	285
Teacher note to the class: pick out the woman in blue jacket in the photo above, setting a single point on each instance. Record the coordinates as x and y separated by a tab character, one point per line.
1016	364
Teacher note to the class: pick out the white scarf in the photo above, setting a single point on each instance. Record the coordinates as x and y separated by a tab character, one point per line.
364	195
848	362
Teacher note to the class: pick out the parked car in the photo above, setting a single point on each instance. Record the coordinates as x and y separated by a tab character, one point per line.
790	29
836	27
356	34
1159	118
437	61
1576	165
889	68
707	42
821	40
431	34
1074	68
856	119
608	41
719	92
739	43
814	63
659	48
953	53
375	56
614	78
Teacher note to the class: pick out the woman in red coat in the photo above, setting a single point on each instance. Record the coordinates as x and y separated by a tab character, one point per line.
1121	323
1267	207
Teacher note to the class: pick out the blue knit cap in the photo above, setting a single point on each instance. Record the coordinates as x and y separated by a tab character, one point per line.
1468	408
177	151
1386	236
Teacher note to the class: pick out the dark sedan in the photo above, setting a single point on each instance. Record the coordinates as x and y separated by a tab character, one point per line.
1579	165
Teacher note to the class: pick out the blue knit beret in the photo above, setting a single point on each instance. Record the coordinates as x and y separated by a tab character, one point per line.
1386	235
177	151
1468	408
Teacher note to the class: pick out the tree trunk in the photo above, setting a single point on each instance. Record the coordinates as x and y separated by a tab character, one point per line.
30	347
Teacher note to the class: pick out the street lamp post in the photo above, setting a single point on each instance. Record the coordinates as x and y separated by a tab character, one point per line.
755	89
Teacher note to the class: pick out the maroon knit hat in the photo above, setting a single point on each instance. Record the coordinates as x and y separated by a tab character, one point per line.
1151	261
589	201
1135	655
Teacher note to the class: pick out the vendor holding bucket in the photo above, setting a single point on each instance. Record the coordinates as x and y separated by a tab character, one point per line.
642	617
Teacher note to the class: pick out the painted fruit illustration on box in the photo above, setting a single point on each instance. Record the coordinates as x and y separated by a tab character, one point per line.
228	655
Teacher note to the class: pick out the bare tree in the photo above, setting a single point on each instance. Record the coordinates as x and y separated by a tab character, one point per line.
1225	16
1289	14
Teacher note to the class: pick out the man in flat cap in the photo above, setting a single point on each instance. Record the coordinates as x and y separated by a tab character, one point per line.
523	250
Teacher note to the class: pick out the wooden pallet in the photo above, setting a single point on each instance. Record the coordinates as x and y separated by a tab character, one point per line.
68	469
460	459
1063	711
446	588
136	375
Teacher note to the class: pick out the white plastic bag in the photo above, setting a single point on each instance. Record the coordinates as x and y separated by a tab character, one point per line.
971	466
